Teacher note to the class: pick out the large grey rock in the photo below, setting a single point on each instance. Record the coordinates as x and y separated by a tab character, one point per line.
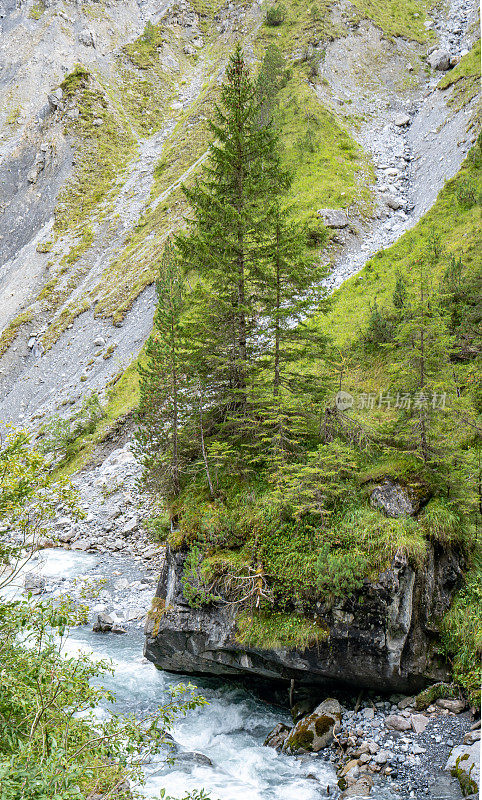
419	722
398	723
34	584
87	38
315	731
361	788
464	763
394	499
401	120
380	637
455	705
104	623
439	59
333	217
394	202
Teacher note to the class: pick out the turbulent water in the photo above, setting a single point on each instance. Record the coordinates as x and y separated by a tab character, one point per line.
229	731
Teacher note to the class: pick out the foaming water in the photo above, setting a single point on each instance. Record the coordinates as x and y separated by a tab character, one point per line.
229	731
218	747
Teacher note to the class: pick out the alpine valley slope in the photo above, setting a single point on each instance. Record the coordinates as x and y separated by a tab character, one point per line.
103	116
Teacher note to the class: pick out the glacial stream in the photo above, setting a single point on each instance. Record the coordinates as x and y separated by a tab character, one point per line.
217	747
229	731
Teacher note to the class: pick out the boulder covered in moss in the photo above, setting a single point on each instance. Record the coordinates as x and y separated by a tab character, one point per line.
395	500
464	764
315	731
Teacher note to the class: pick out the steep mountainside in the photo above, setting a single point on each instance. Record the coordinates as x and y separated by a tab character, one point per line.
103	116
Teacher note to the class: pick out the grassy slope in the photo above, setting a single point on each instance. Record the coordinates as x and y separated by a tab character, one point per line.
137	100
450	220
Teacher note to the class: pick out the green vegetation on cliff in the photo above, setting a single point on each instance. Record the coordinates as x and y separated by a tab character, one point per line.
268	482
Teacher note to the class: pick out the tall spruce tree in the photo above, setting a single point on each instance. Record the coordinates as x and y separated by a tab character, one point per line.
420	349
165	384
222	241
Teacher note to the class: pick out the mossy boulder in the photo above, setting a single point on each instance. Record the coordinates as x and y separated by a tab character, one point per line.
315	731
439	690
464	764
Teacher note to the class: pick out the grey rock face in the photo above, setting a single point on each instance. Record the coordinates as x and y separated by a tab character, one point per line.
333	217
439	59
394	499
387	643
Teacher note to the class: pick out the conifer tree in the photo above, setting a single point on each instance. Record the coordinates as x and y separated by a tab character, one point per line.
420	348
164	384
223	240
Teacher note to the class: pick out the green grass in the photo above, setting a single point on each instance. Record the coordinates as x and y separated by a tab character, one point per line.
464	77
123	398
451	220
275	631
329	167
104	150
462	632
397	17
10	333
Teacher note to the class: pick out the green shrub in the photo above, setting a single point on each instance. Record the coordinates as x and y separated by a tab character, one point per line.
462	632
468	193
276	15
58	435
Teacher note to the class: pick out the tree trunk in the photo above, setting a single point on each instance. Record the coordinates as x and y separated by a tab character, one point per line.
277	314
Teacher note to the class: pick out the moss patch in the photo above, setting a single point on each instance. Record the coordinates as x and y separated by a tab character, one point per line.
274	630
11	331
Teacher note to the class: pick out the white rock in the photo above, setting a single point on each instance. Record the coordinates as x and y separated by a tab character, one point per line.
466	758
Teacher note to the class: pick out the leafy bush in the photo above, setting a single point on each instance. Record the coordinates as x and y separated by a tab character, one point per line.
59	434
462	632
52	745
276	15
316	232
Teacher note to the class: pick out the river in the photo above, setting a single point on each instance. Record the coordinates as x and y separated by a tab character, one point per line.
229	731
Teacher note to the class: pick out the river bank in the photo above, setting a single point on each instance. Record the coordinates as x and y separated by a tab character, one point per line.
220	747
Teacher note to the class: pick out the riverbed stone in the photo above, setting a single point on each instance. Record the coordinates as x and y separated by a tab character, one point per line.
103	624
455	705
439	60
419	722
315	731
277	736
361	788
398	723
464	764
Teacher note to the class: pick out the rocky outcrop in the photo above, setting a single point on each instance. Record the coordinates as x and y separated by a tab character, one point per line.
394	499
383	637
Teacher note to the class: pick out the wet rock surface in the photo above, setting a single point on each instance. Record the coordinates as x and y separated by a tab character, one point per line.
371	753
380	637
